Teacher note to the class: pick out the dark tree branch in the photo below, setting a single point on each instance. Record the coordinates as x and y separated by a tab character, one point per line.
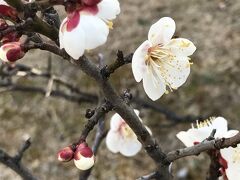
100	135
15	162
203	147
98	114
120	61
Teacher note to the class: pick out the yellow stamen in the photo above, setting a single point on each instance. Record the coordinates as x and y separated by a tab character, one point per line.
110	24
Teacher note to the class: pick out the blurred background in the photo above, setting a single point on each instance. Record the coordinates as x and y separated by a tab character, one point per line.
213	88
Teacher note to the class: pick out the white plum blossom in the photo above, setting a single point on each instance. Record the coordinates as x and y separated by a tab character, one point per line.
160	61
88	26
121	137
230	157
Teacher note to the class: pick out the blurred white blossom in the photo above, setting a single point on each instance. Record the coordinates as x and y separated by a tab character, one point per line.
121	137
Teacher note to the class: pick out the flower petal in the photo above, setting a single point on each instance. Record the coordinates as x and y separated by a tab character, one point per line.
74	42
232	156
116	121
108	9
153	85
192	136
230	133
138	61
176	71
130	147
221	126
181	47
2	2
113	141
96	31
162	31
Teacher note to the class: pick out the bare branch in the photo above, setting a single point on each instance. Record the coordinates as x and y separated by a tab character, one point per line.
203	147
15	162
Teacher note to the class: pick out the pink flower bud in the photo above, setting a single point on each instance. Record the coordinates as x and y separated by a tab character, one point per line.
66	154
83	157
11	52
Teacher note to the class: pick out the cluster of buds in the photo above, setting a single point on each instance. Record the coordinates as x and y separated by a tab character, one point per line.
81	154
11	47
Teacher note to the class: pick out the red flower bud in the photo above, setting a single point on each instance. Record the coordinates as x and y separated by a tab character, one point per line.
11	52
8	12
83	157
66	154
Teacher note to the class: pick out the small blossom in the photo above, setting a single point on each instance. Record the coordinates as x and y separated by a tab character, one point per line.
83	157
161	61
229	158
66	154
11	52
121	137
87	25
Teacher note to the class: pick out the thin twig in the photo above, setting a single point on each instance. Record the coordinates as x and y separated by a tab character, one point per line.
15	162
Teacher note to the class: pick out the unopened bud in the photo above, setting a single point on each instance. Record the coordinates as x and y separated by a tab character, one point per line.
66	154
11	52
83	157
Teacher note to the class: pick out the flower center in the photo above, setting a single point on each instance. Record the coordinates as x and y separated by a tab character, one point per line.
158	55
126	131
205	123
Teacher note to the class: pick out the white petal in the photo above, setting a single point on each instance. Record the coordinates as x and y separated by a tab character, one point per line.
96	31
3	55
84	163
3	3
116	121
192	136
113	141
176	71
220	124
108	9
233	172
232	156
74	41
230	133
153	85
138	60
181	47
162	31
130	147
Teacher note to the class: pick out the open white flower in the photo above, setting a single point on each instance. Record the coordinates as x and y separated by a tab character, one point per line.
88	26
121	137
161	61
230	157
